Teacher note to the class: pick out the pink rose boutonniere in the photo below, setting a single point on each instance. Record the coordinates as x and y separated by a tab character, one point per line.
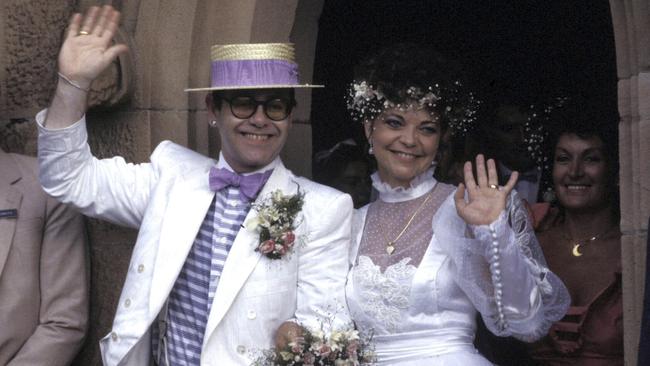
276	222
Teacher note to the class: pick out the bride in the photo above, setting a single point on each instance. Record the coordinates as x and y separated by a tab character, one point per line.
429	255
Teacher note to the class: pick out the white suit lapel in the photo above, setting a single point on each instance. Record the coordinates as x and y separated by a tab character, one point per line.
189	201
358	225
243	257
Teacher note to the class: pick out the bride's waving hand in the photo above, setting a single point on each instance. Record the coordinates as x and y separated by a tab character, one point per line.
486	200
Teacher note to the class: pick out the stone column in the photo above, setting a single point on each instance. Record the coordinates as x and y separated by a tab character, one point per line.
631	21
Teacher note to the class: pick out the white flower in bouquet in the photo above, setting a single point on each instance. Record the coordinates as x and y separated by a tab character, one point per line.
318	334
253	224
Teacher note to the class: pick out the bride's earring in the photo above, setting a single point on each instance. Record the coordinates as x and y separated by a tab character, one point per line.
370	149
213	123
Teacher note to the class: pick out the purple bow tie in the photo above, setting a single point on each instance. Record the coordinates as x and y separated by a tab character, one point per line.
249	185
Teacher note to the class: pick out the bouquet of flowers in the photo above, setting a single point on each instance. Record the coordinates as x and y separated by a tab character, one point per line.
275	222
314	348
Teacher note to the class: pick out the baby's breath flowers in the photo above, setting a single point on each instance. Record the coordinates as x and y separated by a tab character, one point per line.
365	102
276	223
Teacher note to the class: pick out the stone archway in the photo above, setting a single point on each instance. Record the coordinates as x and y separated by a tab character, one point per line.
631	21
170	42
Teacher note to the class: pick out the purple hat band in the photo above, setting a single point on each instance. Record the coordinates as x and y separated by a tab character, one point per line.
242	73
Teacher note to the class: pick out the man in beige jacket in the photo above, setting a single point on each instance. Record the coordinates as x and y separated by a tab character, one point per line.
43	276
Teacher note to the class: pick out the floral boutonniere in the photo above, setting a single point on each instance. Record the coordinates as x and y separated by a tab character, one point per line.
276	221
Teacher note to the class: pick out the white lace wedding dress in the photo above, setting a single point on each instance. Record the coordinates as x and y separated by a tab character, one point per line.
420	303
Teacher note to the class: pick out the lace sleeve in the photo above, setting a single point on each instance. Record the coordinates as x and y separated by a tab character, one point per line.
502	270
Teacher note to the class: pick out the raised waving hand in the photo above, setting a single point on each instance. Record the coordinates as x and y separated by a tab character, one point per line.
486	199
87	50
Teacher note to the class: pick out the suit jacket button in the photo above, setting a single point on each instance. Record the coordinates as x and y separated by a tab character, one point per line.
141	268
114	336
127	303
252	314
241	349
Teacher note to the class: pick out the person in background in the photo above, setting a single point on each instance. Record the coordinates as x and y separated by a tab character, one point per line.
581	240
346	168
43	270
510	130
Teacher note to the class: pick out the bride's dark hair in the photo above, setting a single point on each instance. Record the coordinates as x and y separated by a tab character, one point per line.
407	73
397	68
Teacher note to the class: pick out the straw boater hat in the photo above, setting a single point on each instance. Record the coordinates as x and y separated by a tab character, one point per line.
254	66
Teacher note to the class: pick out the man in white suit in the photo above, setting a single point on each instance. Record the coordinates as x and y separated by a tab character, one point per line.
204	286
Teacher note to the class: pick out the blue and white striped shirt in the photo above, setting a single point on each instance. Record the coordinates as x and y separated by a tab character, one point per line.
191	297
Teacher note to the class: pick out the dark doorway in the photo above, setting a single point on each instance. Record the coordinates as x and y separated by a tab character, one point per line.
538	48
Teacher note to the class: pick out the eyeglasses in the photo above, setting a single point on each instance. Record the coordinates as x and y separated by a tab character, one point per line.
243	107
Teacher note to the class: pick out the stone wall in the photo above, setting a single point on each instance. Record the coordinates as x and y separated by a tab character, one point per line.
140	101
631	20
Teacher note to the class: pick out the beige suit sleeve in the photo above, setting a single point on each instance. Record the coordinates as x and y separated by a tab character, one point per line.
63	317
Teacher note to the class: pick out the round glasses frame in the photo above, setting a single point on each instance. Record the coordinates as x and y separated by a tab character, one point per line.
249	102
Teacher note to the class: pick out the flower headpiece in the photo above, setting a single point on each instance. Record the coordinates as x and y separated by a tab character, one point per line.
365	103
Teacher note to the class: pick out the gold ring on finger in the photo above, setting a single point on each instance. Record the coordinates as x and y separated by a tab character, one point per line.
83	33
493	186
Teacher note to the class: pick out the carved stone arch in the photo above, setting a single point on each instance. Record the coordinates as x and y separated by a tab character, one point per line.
170	45
631	21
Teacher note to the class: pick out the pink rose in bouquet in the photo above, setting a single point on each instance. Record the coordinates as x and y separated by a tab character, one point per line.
352	349
325	350
281	249
267	246
297	347
288	239
308	359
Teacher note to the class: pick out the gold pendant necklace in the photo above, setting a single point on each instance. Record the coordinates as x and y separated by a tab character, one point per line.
575	251
577	244
390	246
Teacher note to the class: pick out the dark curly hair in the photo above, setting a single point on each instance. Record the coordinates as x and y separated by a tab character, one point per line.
578	118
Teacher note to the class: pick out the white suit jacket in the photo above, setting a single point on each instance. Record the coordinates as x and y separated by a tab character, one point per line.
168	199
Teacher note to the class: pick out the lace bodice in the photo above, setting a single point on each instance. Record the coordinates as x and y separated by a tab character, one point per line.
385	293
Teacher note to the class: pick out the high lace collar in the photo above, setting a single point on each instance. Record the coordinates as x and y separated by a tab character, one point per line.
420	185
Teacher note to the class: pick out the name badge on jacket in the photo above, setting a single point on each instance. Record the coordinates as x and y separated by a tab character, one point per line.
11	213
